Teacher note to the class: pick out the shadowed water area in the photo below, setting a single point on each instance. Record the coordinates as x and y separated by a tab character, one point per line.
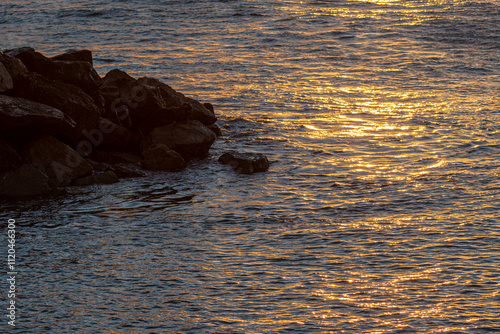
380	212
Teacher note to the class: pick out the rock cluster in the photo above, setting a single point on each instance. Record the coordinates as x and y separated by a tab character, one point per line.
62	124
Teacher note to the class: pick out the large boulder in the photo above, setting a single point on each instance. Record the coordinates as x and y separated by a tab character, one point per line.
78	73
76	55
69	99
26	180
165	116
9	158
58	161
112	137
142	101
23	118
161	157
6	83
137	105
117	78
14	66
173	98
141	104
190	139
245	163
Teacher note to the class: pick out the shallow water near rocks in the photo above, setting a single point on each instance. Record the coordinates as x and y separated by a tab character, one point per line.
380	210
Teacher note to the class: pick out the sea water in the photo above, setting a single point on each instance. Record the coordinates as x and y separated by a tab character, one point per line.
380	212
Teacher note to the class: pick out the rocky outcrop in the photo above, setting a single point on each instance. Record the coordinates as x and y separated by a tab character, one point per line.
61	124
57	160
172	98
161	157
26	180
78	73
21	118
245	163
69	99
190	139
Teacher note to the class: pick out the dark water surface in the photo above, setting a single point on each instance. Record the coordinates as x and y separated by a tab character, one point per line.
380	212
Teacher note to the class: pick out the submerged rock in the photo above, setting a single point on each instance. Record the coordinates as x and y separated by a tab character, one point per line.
126	172
245	163
107	177
190	139
161	157
26	180
58	161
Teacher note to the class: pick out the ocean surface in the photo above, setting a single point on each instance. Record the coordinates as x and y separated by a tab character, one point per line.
380	212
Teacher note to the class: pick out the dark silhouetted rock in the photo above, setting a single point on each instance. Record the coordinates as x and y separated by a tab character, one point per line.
128	102
17	51
115	157
142	101
209	107
116	110
148	102
112	137
165	116
98	101
190	139
13	65
108	177
117	78
6	83
215	129
245	163
98	166
24	118
161	157
69	99
76	55
78	73
26	180
173	98
9	158
58	161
